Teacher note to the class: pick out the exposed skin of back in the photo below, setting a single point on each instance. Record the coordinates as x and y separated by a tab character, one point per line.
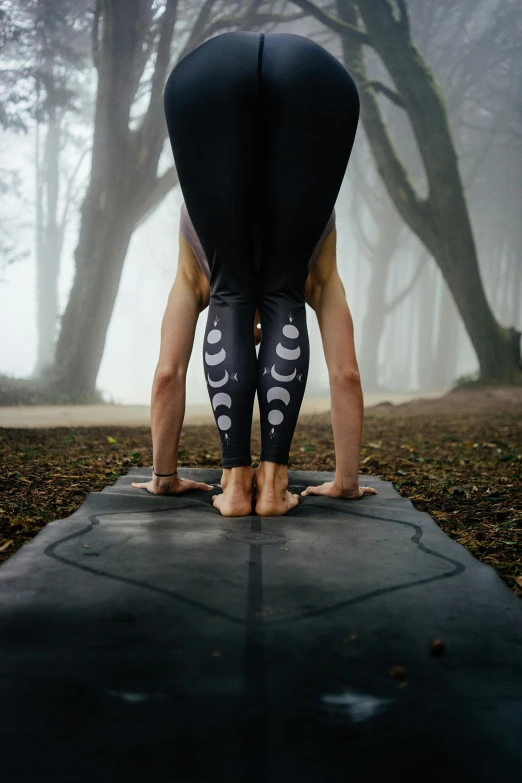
325	294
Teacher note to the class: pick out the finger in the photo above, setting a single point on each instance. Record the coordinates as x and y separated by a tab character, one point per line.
310	491
195	485
369	490
139	486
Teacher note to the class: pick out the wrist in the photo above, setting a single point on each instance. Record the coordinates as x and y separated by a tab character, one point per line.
347	483
165	483
164	478
164	473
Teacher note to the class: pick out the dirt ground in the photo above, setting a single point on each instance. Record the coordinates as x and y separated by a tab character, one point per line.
457	457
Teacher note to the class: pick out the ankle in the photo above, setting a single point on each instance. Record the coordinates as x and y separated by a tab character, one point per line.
240	475
272	473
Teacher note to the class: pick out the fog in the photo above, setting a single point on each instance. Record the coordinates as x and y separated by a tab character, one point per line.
418	327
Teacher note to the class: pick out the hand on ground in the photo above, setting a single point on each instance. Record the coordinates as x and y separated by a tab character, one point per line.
333	490
172	486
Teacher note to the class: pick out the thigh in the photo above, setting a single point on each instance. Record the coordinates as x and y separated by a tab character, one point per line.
310	111
211	103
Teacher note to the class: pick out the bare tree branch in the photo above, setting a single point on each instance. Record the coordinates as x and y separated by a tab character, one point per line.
404	17
156	194
69	190
343	28
385	90
95	34
200	28
168	21
261	20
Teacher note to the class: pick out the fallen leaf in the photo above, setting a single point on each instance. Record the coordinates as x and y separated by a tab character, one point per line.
518	580
6	544
437	648
397	672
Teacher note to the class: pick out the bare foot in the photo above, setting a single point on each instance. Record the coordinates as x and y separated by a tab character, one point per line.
272	496
238	492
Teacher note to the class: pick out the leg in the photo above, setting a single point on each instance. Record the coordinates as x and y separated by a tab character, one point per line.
210	98
310	114
210	107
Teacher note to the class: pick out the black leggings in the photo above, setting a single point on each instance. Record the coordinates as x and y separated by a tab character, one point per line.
261	127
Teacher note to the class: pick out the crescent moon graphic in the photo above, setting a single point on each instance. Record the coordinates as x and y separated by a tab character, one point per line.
290	331
221	398
216	358
283	378
278	393
222	382
286	353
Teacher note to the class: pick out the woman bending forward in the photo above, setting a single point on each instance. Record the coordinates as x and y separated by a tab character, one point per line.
261	127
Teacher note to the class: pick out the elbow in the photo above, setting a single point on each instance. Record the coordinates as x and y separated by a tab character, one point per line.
345	376
168	375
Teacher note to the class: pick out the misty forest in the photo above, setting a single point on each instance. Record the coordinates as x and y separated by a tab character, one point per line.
428	217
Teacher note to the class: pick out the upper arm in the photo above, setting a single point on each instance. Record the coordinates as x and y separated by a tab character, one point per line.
187	297
326	295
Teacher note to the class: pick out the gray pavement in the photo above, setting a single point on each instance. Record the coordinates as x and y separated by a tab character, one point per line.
148	637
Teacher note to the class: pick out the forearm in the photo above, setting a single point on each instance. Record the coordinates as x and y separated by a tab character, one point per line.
347	422
167	414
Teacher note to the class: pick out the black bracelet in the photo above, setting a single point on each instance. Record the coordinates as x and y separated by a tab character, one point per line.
163	475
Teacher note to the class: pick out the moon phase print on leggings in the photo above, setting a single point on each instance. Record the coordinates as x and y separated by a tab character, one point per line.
282	375
230	371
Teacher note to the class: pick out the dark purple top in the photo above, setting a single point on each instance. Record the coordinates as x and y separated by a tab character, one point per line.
189	232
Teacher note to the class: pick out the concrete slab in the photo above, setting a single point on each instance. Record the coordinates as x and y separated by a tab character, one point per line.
148	637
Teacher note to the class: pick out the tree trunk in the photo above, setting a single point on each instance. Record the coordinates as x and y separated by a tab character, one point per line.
426	324
48	245
99	256
444	364
516	289
441	220
122	187
372	327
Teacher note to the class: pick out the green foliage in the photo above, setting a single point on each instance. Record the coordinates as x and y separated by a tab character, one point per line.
466	380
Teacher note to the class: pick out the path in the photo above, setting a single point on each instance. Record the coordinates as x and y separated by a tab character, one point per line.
149	638
139	415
